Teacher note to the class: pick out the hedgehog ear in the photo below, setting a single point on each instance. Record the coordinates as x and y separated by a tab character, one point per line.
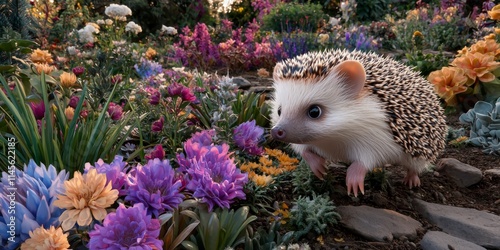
353	74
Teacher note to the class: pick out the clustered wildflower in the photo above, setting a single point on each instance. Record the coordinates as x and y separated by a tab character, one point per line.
262	172
86	34
171	31
118	11
133	27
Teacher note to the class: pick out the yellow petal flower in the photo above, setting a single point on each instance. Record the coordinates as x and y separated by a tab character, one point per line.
41	56
42	238
43	67
67	79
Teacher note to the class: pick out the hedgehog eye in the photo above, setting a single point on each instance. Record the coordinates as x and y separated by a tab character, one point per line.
314	112
279	111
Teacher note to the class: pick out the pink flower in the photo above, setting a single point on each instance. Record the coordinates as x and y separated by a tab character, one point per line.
38	109
157	152
78	70
115	111
157	126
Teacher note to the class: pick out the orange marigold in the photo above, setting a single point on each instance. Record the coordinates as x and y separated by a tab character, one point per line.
67	79
41	56
448	82
488	46
477	66
494	13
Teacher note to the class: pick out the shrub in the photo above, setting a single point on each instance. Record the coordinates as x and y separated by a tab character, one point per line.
371	10
288	17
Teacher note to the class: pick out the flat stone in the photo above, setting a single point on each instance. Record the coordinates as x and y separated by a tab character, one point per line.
437	240
242	82
469	224
464	175
378	224
493	172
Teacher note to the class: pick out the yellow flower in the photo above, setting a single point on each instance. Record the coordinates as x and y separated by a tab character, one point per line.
67	79
86	196
265	161
477	65
41	56
262	180
437	18
150	53
323	38
43	67
262	72
488	46
417	34
491	36
70	113
495	12
448	82
51	239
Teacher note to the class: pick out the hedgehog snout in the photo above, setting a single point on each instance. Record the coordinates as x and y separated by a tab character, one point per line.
278	133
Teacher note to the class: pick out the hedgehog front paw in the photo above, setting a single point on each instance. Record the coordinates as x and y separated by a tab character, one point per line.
355	178
315	162
412	179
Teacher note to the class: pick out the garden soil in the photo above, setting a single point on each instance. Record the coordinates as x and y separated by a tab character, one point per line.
436	188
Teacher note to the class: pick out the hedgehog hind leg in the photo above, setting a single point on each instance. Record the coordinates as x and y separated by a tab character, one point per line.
414	168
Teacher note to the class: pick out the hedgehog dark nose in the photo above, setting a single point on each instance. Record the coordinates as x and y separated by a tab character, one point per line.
278	133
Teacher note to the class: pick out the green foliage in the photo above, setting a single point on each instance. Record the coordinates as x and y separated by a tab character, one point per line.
10	48
14	16
219	229
313	213
241	13
265	240
288	17
425	63
177	226
484	121
306	183
371	10
378	179
62	143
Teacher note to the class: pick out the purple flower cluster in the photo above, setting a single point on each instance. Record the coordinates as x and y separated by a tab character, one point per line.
127	228
211	174
247	137
357	40
155	185
146	68
196	49
115	172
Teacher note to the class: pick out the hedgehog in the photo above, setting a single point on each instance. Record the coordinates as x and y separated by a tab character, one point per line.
358	108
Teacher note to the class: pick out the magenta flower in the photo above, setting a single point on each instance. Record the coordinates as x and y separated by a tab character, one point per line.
211	174
175	89
154	96
116	78
157	152
247	137
115	111
157	125
115	172
38	109
187	95
73	101
78	70
127	228
184	92
155	185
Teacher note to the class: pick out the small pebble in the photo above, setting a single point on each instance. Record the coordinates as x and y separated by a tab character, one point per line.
436	173
497	201
403	238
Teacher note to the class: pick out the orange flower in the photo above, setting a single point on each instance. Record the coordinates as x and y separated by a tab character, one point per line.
262	72
495	12
491	36
41	56
497	31
477	65
262	180
150	53
488	46
448	82
43	67
69	112
42	238
86	196
67	79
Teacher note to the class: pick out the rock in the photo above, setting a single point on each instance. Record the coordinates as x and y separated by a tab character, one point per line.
464	175
379	200
378	224
261	89
242	82
436	240
469	224
493	172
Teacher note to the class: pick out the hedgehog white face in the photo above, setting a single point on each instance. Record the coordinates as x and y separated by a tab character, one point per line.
312	109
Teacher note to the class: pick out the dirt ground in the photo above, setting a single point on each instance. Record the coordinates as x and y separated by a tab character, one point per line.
436	188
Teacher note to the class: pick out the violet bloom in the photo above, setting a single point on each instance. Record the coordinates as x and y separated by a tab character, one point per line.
154	96
115	111
187	95
115	172
156	186
212	175
78	70
175	89
247	137
184	92
157	152
127	228
157	125
38	109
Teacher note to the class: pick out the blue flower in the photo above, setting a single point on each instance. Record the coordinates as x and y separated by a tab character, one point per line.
146	68
29	198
